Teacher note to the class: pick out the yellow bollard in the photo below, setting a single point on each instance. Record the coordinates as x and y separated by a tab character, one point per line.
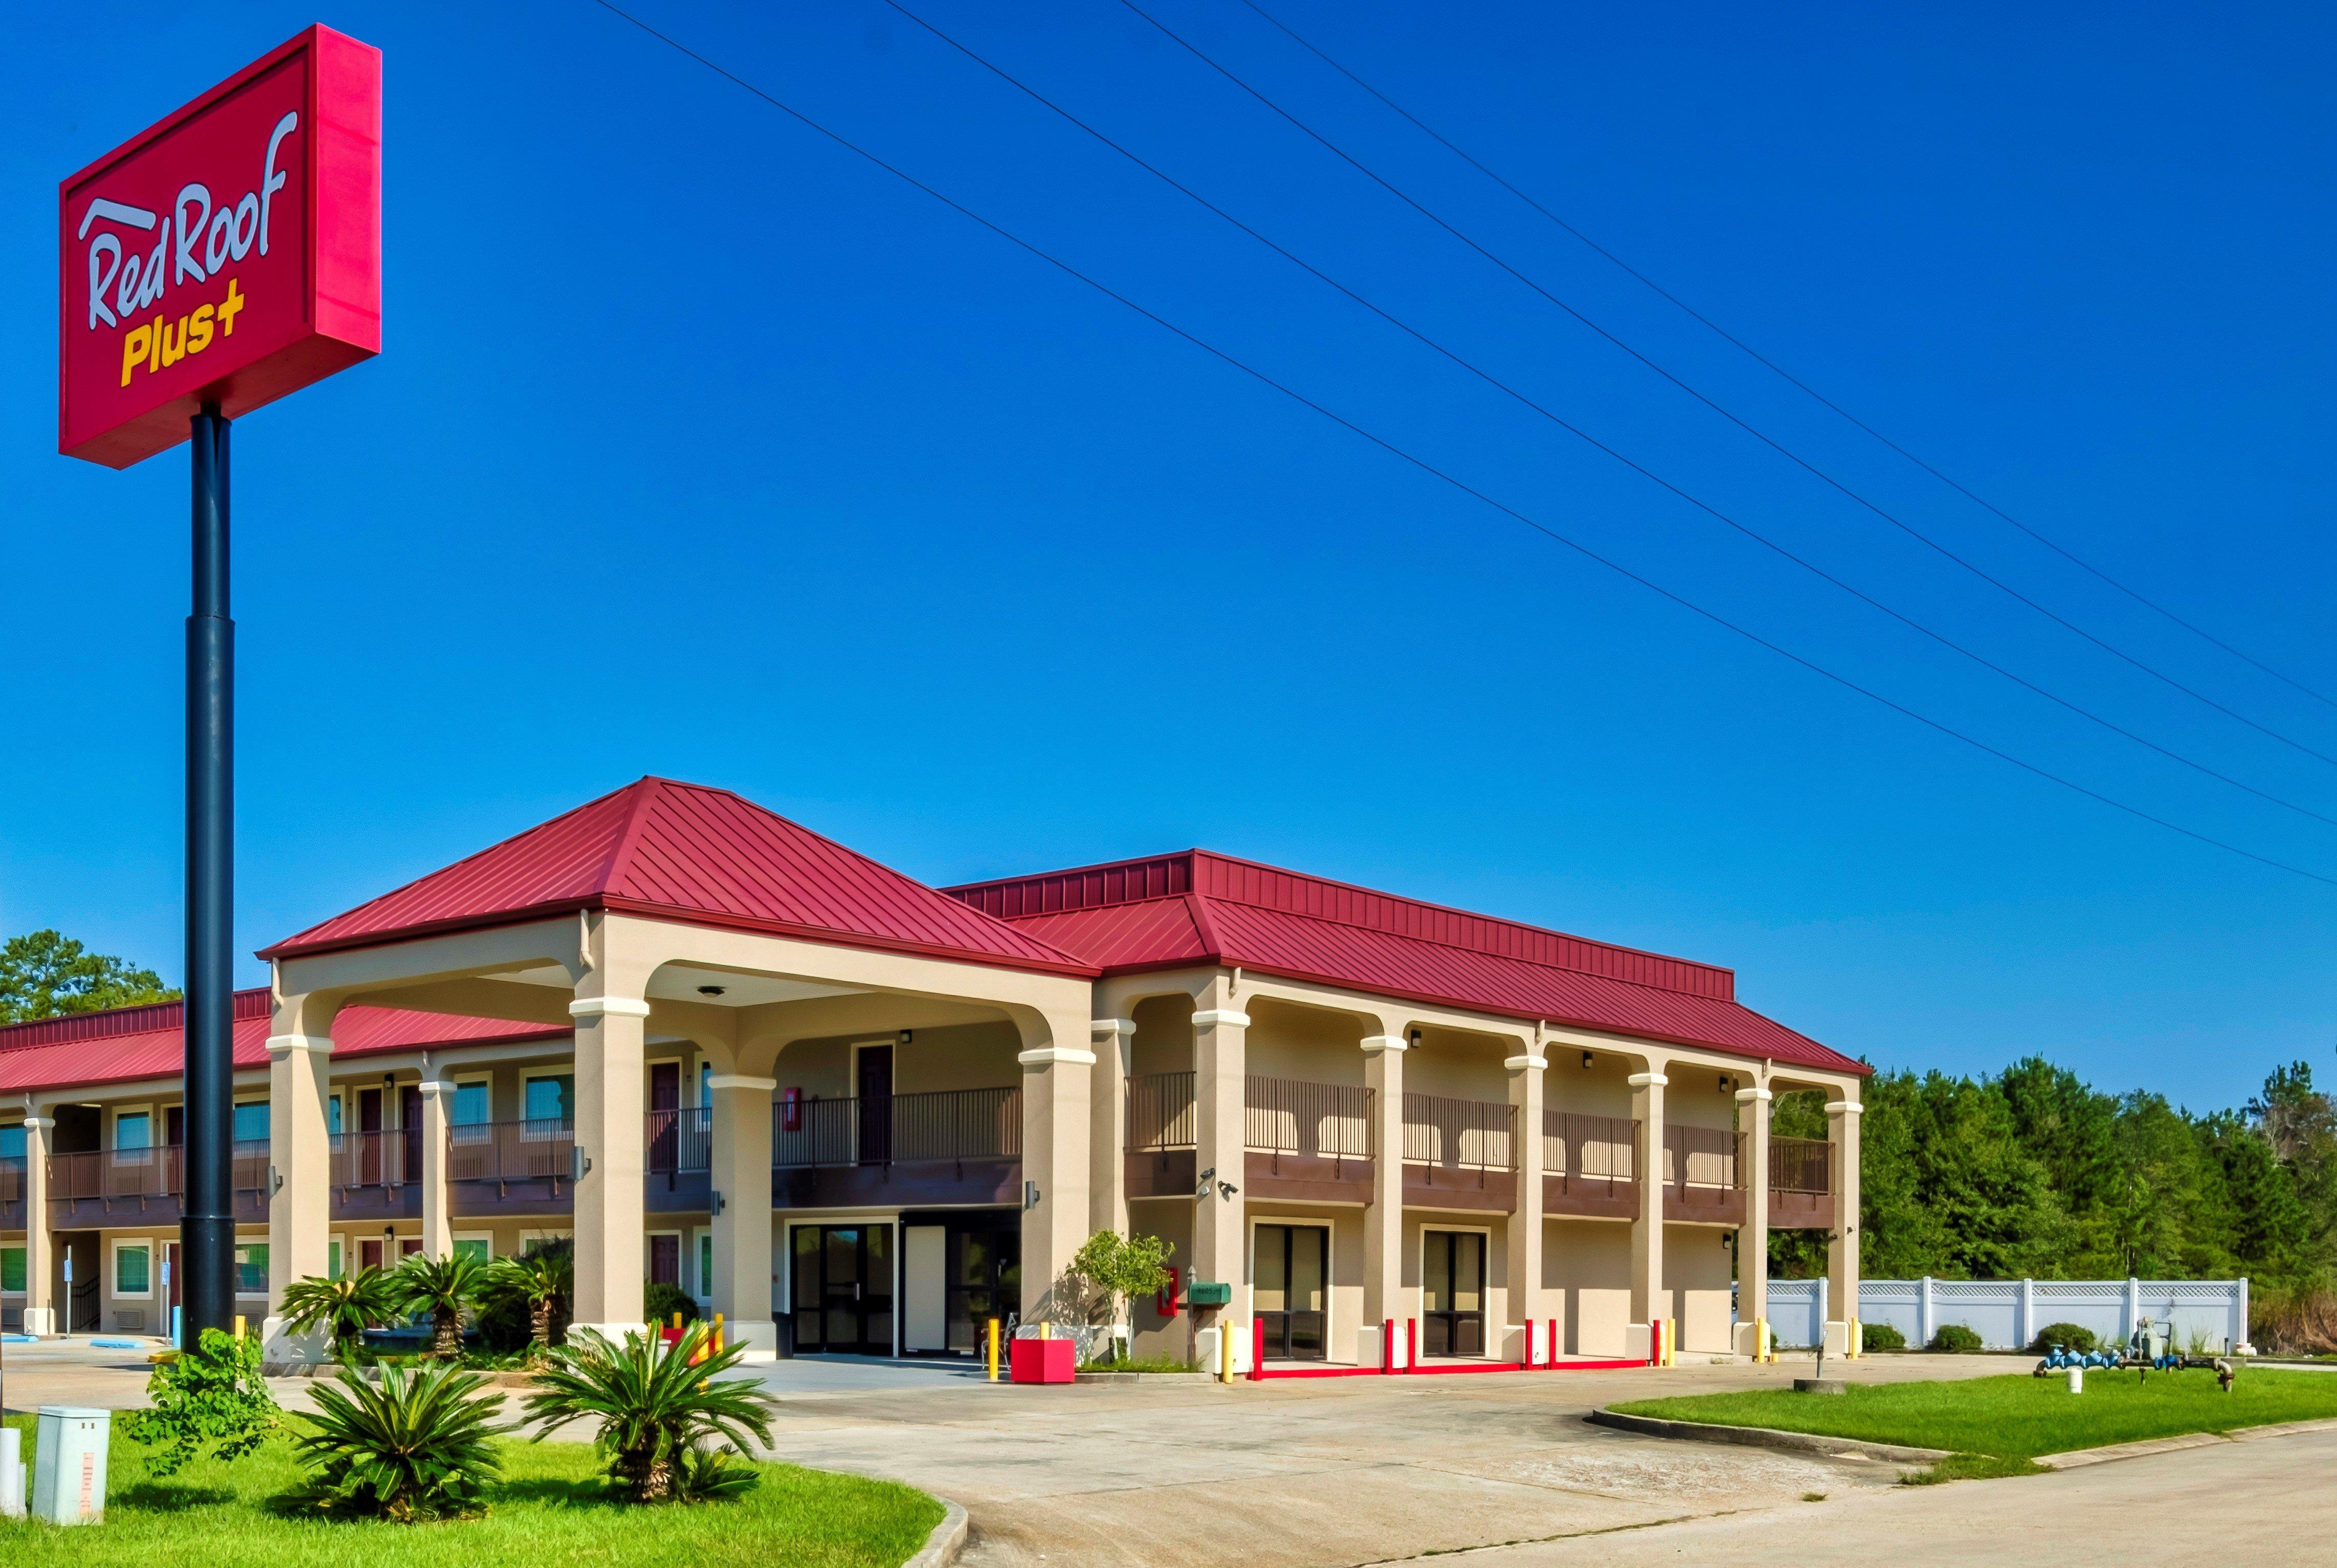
1857	1336
1225	1352
993	1349
718	1333
238	1325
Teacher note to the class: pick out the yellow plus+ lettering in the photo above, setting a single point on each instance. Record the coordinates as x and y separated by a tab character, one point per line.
229	307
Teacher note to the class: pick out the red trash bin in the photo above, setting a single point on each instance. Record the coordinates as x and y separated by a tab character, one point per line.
1041	1360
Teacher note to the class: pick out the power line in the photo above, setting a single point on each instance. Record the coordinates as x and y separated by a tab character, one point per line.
1783	451
1424	465
1772	366
1563	424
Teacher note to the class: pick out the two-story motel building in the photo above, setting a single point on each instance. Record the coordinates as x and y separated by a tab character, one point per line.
858	1114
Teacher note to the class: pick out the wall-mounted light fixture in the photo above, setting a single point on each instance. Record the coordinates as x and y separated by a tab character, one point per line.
275	1180
710	990
717	1203
905	1035
1413	1036
579	1162
1030	1196
1586	1061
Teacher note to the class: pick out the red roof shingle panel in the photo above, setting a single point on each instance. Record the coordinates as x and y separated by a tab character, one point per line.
692	854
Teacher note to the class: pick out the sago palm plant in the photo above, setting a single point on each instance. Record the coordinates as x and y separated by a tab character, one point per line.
445	1288
539	1279
418	1447
344	1307
656	1408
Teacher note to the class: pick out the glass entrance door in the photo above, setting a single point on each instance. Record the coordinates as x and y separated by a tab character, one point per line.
1452	1293
841	1290
984	1280
1292	1266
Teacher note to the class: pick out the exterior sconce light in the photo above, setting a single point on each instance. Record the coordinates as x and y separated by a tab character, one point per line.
1586	1061
579	1162
1415	1037
275	1180
717	1203
1030	1196
710	990
1225	1190
1201	1191
906	1035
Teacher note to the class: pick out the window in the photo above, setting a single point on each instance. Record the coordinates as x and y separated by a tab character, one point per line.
551	1098
333	1258
706	1263
252	1123
470	1108
477	1247
705	1089
252	1268
11	1269
12	1142
132	1265
333	1115
133	1130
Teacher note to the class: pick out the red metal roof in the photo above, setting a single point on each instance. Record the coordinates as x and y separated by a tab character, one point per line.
700	856
130	1045
1201	907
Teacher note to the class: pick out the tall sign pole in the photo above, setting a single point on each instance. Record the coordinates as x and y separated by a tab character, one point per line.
207	1218
225	256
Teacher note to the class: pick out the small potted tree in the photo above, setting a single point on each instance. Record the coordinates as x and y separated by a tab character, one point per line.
1114	1269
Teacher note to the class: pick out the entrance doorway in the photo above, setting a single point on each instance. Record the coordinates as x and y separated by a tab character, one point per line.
959	1269
872	1069
1452	1293
840	1281
1292	1267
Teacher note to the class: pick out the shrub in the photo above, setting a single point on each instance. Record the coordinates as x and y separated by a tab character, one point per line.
660	1301
213	1394
2070	1337
1956	1339
540	1282
653	1405
418	1447
444	1288
1110	1267
1881	1337
344	1307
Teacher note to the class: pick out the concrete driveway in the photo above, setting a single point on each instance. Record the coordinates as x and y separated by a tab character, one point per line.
1298	1474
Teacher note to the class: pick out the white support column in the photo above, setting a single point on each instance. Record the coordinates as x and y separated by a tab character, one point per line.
299	1175
1056	1070
1753	1240
437	1220
1220	1155
1525	1225
40	1249
1649	1300
1383	1220
611	1137
740	1176
1114	1040
1841	1250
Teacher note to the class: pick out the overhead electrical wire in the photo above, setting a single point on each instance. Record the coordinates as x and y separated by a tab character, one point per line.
1424	465
1563	424
1725	412
1774	368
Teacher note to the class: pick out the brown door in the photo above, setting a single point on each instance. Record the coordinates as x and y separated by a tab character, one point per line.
175	1151
410	1117
368	1137
408	1246
665	1259
665	1115
171	1267
875	1066
370	1254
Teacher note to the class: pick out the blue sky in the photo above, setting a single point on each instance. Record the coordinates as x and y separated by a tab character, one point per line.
700	447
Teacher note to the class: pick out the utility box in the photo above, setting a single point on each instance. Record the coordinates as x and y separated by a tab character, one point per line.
69	1464
1043	1360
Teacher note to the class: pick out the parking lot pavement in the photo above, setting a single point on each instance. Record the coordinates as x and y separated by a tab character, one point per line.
1293	1475
75	1372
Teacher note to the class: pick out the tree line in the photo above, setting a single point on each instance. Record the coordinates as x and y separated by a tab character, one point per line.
2035	1173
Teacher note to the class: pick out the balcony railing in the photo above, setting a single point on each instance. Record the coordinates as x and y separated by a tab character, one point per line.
1800	1165
950	1125
143	1173
542	1151
1280	1116
1598	1153
12	1179
390	1159
681	1140
1703	1157
1462	1134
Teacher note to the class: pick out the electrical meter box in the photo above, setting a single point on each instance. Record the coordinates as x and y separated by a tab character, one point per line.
69	1464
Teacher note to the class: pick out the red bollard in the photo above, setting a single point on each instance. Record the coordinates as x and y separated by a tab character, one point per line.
1412	1344
1257	1350
1553	1345
1387	1345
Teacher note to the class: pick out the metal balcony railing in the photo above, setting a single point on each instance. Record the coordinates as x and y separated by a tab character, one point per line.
12	1178
941	1126
1462	1134
385	1158
1594	1151
1703	1157
1800	1165
542	1150
1280	1116
156	1173
680	1141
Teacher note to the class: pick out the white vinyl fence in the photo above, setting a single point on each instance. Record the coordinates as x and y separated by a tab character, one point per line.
2007	1313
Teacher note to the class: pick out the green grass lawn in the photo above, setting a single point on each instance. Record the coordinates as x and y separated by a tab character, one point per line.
2022	1416
548	1511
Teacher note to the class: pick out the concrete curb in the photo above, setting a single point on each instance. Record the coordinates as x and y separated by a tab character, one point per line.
948	1540
2077	1458
1765	1437
1171	1378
